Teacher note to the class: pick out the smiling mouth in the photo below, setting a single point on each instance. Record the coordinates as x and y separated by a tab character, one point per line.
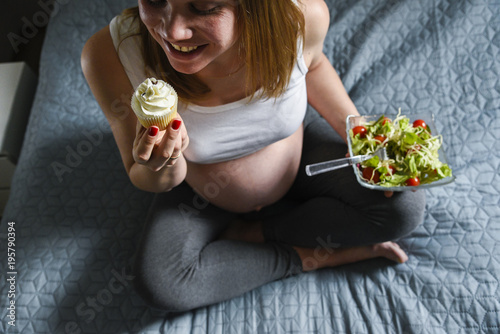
185	49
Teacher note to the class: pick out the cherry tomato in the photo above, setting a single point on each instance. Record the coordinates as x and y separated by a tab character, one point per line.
386	120
421	123
379	138
370	174
359	129
412	182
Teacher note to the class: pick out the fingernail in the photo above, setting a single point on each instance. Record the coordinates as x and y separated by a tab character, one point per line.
153	131
176	124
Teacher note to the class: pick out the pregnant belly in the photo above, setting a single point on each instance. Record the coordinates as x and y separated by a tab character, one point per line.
251	182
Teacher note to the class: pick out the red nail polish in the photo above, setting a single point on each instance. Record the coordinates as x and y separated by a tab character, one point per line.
153	131
176	124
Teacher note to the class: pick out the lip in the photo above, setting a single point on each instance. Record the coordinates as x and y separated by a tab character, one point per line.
179	55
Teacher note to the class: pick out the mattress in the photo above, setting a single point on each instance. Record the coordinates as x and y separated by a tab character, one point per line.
77	217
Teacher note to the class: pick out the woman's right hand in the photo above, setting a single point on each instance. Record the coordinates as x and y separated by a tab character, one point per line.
160	149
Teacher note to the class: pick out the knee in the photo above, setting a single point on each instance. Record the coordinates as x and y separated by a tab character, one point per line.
405	213
162	289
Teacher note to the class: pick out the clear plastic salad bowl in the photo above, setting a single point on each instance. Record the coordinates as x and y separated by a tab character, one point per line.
353	121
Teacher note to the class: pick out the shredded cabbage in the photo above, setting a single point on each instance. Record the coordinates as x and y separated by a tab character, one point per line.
412	151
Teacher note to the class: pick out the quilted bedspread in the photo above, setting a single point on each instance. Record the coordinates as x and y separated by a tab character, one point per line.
77	217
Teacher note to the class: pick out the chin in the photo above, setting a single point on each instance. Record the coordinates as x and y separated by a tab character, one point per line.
187	70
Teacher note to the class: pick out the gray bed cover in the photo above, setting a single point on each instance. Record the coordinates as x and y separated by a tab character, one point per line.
78	218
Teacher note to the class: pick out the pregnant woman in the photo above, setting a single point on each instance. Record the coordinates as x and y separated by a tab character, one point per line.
234	208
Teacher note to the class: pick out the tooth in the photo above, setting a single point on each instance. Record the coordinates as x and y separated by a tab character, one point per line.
184	48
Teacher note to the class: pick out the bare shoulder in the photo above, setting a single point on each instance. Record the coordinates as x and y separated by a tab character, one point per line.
103	69
98	53
99	40
317	18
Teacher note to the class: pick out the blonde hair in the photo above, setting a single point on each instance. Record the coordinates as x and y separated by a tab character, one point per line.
270	31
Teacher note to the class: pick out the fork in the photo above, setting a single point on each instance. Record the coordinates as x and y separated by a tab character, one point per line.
326	166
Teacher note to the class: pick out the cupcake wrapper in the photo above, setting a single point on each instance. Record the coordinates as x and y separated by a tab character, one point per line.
161	122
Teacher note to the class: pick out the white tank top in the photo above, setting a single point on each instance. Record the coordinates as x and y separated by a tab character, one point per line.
228	131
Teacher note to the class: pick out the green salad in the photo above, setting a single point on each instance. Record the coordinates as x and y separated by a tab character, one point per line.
411	148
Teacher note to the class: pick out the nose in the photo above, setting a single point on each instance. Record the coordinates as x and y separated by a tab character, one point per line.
177	27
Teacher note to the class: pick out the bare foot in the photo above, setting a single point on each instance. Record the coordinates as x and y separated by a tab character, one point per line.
390	250
319	258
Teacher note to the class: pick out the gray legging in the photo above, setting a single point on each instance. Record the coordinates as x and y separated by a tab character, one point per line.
181	264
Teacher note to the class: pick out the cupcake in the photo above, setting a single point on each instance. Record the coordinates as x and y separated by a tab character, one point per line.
154	103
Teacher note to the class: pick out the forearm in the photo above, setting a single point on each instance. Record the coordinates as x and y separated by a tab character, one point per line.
326	94
160	181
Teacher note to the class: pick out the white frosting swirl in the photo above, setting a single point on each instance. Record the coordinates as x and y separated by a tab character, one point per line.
153	96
